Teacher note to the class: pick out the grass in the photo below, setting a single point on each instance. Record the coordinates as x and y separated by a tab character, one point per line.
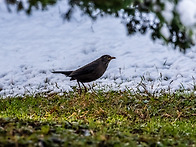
113	118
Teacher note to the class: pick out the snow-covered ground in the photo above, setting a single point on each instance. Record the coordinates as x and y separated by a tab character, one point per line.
31	47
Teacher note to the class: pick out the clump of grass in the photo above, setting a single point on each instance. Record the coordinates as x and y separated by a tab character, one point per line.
99	118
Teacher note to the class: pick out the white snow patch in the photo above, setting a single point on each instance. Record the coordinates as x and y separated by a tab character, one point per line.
165	31
187	11
167	13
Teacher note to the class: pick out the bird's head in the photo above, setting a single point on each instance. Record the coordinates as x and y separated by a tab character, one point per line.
106	59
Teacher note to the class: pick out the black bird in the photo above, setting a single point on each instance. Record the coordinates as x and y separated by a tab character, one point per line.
89	72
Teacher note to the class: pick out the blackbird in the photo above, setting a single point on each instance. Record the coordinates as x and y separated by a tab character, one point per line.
89	72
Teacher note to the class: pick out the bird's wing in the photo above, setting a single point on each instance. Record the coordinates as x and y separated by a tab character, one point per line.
89	68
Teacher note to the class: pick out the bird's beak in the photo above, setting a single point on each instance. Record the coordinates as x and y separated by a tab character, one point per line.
112	58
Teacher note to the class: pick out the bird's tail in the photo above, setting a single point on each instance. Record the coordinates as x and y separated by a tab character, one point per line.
67	73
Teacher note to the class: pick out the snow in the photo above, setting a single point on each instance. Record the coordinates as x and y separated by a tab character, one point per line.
167	13
187	11
165	31
31	47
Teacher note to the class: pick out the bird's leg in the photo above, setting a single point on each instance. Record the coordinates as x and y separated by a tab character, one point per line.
79	87
84	87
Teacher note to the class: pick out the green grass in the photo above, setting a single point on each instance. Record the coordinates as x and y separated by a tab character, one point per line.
113	118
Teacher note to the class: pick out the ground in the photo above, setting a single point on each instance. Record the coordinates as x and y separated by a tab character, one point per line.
113	118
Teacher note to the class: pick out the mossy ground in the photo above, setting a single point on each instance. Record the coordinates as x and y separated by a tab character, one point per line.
113	118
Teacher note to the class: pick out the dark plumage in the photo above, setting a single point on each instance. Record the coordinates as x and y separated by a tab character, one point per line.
89	72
